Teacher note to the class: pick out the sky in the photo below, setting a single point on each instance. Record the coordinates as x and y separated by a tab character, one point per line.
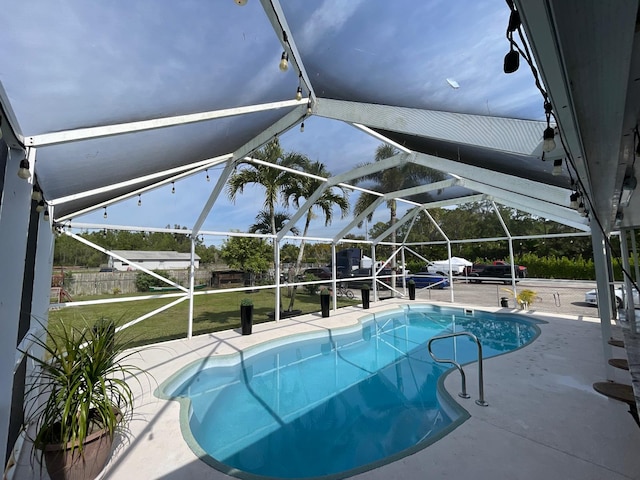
323	140
82	64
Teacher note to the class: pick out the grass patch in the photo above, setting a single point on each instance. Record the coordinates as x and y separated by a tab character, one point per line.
213	312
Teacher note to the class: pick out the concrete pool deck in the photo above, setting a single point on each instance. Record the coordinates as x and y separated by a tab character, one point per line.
544	420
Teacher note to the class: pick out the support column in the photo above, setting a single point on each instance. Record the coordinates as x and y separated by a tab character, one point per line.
192	275
511	257
404	269
451	294
629	304
373	274
634	250
276	261
334	277
42	272
602	262
42	251
15	210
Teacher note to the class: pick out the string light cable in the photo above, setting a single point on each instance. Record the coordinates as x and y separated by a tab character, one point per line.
515	25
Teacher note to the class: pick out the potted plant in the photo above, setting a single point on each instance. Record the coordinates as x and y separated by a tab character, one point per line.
524	298
324	301
364	292
82	374
246	315
411	285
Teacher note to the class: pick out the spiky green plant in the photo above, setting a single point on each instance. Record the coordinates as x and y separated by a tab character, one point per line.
84	375
525	297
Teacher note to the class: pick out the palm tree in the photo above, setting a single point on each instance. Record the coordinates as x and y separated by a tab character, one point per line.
272	179
304	187
393	179
263	223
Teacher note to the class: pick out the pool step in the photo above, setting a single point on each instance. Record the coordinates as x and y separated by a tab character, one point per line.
621	363
616	343
622	393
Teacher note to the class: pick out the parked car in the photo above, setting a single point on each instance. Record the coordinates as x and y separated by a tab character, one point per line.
591	297
521	270
426	279
493	273
323	273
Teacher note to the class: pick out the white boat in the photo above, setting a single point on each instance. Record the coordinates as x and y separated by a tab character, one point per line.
457	265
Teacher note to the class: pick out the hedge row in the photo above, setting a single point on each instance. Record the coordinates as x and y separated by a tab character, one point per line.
577	268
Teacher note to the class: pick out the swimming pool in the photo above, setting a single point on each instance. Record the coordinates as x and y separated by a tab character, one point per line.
338	404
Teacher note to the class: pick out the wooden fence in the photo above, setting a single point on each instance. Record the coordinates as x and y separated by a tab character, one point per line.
109	283
78	284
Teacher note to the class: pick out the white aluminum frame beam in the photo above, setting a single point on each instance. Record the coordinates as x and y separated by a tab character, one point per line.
278	128
215	193
510	183
133	193
452	202
179	172
10	127
382	138
119	257
154	124
558	213
337	180
523	138
409	215
579	222
278	20
359	218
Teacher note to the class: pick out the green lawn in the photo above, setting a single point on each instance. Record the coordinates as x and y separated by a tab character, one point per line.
220	311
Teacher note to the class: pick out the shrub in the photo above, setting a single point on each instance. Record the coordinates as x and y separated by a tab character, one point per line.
524	297
144	280
311	289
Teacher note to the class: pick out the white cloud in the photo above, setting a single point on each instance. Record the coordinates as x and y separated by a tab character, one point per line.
330	17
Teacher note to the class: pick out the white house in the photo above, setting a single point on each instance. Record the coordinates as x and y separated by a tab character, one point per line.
153	260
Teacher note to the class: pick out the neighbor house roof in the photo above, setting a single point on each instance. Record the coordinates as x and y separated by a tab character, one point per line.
134	255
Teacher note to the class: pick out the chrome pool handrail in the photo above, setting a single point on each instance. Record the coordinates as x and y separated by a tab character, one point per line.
480	401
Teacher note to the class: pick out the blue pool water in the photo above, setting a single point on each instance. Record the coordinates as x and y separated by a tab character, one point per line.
341	403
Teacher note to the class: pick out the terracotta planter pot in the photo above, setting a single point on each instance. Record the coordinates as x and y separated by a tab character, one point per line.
63	464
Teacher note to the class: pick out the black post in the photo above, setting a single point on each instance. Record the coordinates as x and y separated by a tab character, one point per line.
365	298
324	302
412	290
246	318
